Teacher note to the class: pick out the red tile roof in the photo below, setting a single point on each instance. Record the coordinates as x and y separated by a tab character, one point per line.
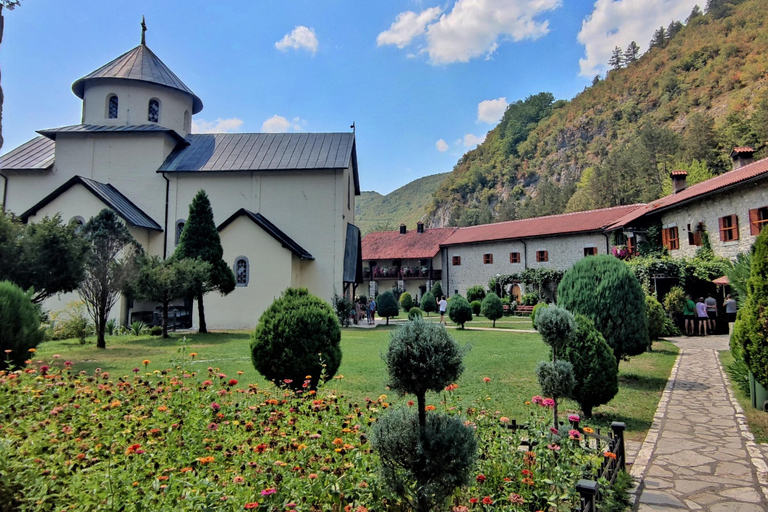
391	245
746	174
742	149
552	225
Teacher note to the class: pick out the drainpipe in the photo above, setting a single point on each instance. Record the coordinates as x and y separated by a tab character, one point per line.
5	190
607	244
525	254
165	230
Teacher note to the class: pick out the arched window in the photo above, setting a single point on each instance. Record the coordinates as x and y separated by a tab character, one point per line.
242	271
112	106
187	121
179	228
153	111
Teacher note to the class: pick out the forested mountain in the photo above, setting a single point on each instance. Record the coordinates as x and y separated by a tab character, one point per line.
407	204
700	90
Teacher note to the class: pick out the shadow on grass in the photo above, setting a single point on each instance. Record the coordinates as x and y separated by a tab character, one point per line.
642	382
664	352
192	339
633	424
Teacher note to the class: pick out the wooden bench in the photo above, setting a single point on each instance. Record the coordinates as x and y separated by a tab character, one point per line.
524	310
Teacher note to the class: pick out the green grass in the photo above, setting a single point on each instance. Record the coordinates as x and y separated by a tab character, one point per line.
756	420
508	359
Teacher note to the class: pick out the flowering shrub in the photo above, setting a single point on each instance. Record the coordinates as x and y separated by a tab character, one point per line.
172	439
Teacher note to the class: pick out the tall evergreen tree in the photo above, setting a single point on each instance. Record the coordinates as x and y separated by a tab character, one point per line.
672	29
631	53
617	59
695	13
658	40
700	141
200	240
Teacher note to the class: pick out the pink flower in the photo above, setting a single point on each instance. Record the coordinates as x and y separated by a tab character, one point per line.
554	430
215	407
574	434
574	417
267	492
553	447
537	400
548	402
213	426
44	369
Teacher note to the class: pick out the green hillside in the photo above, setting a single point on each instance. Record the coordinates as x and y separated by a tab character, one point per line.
407	204
699	91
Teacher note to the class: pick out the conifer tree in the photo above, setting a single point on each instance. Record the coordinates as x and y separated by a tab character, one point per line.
658	40
631	53
428	303
492	308
695	13
387	306
200	239
672	29
617	59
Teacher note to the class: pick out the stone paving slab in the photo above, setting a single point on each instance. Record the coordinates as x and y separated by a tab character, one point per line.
699	454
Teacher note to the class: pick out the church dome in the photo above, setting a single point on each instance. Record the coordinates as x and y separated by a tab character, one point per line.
139	64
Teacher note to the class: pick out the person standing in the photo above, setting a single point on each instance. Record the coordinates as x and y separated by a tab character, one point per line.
730	310
689	314
701	316
372	312
357	310
711	304
442	306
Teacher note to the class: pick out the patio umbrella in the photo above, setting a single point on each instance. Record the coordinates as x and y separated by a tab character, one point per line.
721	281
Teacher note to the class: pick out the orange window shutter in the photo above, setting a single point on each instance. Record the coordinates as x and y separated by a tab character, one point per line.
722	229
754	228
735	226
665	237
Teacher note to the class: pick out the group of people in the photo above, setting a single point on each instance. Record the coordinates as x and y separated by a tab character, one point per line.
701	316
365	310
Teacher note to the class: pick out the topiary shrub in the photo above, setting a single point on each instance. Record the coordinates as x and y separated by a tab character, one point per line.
428	303
437	290
538	307
156	330
557	327
406	302
656	319
475	293
298	335
595	370
19	325
414	313
492	308
604	289
459	310
750	336
476	306
386	306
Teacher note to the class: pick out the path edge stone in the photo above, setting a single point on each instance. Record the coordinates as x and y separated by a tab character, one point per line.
643	458
755	455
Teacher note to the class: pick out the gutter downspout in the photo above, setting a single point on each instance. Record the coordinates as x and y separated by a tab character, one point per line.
165	229
607	244
525	254
5	190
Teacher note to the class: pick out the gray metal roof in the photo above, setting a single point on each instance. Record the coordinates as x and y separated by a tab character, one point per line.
96	128
35	154
109	195
139	64
273	230
263	152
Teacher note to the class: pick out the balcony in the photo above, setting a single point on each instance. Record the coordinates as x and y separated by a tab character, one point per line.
404	272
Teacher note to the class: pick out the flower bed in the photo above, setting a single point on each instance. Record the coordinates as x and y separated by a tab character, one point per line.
176	440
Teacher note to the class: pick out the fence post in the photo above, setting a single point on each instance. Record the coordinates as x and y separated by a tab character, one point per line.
587	489
618	428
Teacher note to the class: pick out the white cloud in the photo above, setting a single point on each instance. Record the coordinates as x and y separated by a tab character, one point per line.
471	140
407	26
441	146
619	22
490	111
300	37
218	126
279	124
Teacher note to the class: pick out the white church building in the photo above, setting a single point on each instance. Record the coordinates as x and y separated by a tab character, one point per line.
284	203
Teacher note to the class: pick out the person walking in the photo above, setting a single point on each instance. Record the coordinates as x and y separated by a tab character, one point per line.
372	312
711	304
689	314
730	310
442	306
701	316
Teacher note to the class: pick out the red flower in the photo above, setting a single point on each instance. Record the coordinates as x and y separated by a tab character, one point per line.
473	500
233	382
487	500
480	478
249	506
527	472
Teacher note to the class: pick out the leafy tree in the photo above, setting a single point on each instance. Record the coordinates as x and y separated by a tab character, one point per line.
406	301
719	8
617	59
200	240
108	267
459	310
697	172
476	292
492	308
428	303
750	336
659	39
19	325
297	336
695	13
437	290
162	281
538	307
476	306
759	118
657	319
738	276
595	370
387	305
604	289
631	53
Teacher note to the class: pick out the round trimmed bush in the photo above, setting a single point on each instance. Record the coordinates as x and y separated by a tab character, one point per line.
19	325
604	289
428	303
594	366
414	313
459	310
492	308
476	306
386	306
406	302
475	293
557	328
538	307
298	335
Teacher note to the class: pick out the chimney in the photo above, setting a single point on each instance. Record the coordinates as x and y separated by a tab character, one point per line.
741	156
402	229
678	181
419	227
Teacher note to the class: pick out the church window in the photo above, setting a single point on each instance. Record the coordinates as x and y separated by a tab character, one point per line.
179	229
242	271
112	106
153	112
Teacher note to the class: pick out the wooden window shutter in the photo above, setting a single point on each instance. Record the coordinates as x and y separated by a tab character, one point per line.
665	237
697	238
721	222
754	227
735	226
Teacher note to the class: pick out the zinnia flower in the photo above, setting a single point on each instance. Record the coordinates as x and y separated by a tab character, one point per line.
429	408
232	382
537	400
252	505
487	500
145	362
610	455
480	478
267	492
486	379
516	499
548	402
574	417
238	480
574	434
588	430
213	426
193	354
215	407
553	447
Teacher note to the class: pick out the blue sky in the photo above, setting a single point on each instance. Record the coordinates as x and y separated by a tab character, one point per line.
423	81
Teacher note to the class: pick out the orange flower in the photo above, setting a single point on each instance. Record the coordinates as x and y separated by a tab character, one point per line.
80	456
429	408
588	430
162	478
338	441
162	408
193	354
610	455
185	470
32	350
145	362
205	460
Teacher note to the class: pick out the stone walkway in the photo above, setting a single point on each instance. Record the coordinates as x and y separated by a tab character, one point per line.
699	454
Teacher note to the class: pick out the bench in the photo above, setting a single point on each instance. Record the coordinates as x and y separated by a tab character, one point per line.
524	310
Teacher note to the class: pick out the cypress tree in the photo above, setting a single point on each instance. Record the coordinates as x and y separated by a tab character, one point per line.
459	310
437	290
428	303
492	308
387	306
200	239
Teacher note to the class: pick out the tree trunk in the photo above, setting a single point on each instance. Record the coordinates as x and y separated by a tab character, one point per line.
165	319
494	323
201	314
422	404
554	414
101	325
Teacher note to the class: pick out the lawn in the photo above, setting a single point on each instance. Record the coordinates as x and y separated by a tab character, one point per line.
507	358
757	420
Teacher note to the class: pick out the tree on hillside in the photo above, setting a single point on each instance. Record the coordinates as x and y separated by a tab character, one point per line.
631	53
759	119
162	281
719	8
617	59
672	29
200	240
700	141
695	13
108	267
658	40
